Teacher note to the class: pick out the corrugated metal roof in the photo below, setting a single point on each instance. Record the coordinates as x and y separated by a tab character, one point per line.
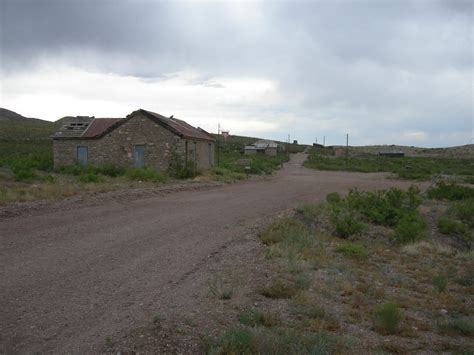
264	144
99	126
181	127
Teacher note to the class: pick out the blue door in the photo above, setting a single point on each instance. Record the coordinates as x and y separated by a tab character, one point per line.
82	156
139	156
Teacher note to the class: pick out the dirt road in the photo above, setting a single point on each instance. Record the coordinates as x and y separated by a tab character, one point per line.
70	278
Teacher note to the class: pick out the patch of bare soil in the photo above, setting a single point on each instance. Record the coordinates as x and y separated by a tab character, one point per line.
98	198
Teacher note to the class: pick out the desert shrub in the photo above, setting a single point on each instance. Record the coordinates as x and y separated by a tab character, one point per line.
461	326
333	197
90	177
417	174
385	207
308	310
145	174
410	228
184	172
284	229
309	213
234	341
276	341
450	226
253	317
450	191
107	170
225	175
345	221
469	180
467	279
352	250
280	289
71	170
24	174
386	318
464	210
440	282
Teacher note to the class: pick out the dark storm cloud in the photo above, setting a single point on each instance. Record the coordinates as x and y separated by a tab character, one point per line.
379	64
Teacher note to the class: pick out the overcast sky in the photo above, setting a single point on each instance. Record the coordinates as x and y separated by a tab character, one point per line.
386	72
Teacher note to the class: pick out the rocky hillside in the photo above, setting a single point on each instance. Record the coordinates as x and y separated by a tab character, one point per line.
14	126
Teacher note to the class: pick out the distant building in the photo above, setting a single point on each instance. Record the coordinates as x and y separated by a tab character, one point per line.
262	147
141	139
392	154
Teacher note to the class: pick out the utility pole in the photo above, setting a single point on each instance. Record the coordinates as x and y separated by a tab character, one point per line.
324	141
347	146
218	148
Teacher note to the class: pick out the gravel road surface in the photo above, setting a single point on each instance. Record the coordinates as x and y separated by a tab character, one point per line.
71	277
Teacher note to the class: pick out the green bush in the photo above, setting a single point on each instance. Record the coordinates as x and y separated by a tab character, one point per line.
450	226
251	317
309	213
386	318
466	279
451	192
235	341
461	326
284	229
333	197
440	282
345	221
351	250
90	177
410	228
75	170
280	289
145	174
24	174
464	210
107	170
276	341
385	207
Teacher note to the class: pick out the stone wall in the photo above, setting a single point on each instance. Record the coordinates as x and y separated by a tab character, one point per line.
116	148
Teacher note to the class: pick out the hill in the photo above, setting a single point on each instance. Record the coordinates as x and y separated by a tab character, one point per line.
462	151
14	126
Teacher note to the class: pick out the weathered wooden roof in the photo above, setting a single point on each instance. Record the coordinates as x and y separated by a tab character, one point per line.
73	127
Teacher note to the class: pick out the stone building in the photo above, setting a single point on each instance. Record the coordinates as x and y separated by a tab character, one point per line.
262	147
142	139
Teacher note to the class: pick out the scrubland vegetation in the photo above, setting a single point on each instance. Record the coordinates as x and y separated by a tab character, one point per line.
416	168
385	271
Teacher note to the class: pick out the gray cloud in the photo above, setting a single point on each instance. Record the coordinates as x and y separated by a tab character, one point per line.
367	66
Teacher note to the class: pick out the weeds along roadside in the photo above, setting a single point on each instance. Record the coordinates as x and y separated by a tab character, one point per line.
26	173
371	270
